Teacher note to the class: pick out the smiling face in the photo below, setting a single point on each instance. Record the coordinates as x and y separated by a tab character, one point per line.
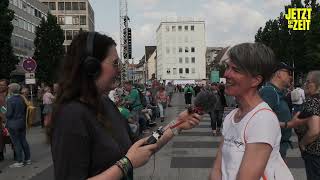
239	83
311	86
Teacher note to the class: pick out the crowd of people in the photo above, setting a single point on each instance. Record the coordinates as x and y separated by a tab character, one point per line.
96	127
18	113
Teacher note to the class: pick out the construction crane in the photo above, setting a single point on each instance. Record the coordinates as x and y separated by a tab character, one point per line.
125	39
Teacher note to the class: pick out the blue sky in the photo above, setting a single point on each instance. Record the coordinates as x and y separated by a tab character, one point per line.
227	21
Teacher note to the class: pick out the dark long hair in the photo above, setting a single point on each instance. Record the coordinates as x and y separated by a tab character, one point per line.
75	84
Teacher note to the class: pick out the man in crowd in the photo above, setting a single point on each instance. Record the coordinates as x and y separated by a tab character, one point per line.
3	95
16	124
188	93
273	93
297	98
134	102
170	90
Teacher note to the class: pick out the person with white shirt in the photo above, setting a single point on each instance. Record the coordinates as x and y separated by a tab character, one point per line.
298	98
249	148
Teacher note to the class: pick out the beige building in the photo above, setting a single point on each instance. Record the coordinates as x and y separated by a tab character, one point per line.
72	15
152	65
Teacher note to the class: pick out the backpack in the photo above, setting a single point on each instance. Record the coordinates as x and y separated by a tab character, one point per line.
142	98
295	95
30	112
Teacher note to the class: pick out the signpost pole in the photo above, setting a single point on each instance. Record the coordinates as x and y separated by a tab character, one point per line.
31	93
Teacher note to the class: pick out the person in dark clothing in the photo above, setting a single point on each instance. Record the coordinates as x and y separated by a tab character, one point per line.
197	89
16	124
3	95
89	138
188	93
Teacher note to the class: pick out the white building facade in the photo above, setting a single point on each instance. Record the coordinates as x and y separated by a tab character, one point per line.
181	49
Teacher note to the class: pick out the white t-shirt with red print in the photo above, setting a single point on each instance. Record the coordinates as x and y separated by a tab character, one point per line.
260	125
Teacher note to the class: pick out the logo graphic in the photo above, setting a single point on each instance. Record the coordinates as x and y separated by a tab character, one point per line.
299	18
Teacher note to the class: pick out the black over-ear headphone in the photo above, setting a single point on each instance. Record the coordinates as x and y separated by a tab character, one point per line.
91	65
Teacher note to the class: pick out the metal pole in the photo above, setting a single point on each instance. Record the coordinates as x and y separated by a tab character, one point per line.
31	92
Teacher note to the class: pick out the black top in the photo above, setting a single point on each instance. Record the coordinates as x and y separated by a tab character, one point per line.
312	105
81	147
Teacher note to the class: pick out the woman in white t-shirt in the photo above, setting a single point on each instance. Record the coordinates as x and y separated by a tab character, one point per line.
249	148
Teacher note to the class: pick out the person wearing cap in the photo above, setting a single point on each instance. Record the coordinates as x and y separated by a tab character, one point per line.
273	93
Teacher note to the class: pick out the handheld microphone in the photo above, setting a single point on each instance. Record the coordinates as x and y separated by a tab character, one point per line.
203	103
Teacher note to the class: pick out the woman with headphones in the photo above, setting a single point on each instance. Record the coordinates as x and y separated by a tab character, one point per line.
89	138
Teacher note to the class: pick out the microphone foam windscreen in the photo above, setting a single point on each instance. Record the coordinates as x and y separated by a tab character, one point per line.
205	100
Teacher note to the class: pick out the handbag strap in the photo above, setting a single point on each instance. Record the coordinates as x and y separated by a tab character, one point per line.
264	177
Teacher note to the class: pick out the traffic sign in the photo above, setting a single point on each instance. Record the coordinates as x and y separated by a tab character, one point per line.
29	64
30	75
30	81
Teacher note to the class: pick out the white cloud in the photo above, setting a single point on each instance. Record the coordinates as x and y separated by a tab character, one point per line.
157	15
275	3
143	4
143	36
231	22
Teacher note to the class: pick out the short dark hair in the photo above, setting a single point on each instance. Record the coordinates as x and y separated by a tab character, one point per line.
254	59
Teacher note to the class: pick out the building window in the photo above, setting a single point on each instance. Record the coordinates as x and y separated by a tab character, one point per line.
193	60
33	29
24	6
168	70
187	70
15	21
29	9
75	20
186	28
68	20
179	28
21	23
180	60
61	6
174	71
192	28
193	49
68	5
193	70
75	6
68	35
83	20
29	27
180	70
82	6
52	5
173	28
167	28
187	60
180	49
61	20
20	4
186	49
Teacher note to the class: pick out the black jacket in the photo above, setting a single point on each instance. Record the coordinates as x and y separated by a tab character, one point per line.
16	112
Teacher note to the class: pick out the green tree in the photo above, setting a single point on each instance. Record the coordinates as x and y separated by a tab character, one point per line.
7	59
312	42
49	49
300	48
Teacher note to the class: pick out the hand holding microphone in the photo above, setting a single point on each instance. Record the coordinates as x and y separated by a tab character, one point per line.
204	102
